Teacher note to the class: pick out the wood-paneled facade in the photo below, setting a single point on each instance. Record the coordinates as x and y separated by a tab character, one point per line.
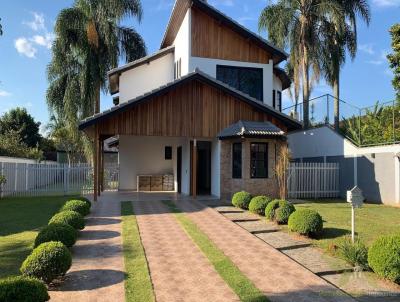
213	39
193	109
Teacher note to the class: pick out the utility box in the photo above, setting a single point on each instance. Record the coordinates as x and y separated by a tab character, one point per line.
355	197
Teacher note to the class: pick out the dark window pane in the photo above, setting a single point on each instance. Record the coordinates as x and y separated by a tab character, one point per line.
237	160
168	152
259	160
247	80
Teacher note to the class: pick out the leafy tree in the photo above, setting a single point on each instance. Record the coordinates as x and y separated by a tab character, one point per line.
90	41
296	24
23	125
338	39
1	29
394	58
12	145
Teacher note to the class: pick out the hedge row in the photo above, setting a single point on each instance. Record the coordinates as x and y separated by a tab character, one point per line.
50	258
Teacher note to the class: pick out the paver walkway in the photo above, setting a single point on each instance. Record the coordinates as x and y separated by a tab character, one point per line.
97	272
179	271
278	276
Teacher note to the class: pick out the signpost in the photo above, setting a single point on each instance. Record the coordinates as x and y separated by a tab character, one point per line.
356	199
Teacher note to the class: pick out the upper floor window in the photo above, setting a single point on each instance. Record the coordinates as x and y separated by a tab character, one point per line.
178	69
246	79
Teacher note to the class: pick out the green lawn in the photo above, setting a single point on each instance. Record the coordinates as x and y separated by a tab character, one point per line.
20	220
138	286
372	220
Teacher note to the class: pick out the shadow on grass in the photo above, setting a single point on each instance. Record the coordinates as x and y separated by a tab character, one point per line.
332	233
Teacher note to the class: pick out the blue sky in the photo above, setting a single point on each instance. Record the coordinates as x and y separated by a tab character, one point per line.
28	32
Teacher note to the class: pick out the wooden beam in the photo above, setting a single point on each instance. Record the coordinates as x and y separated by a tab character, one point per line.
102	166
95	162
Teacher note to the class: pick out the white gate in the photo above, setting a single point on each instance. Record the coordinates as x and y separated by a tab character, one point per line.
46	179
313	180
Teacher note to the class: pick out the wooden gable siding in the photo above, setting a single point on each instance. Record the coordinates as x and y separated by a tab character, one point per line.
193	109
177	16
211	39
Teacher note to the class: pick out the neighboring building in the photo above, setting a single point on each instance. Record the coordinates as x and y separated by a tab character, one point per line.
204	110
376	170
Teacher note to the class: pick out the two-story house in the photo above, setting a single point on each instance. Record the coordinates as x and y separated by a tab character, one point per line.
205	109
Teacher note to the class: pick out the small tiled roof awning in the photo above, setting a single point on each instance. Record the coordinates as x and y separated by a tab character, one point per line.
251	129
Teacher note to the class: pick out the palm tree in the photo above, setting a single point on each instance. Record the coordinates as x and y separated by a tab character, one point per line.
295	24
1	29
89	41
337	41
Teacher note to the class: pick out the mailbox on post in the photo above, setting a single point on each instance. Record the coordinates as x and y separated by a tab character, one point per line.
356	199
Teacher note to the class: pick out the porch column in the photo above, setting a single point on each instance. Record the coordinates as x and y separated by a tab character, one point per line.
101	165
95	162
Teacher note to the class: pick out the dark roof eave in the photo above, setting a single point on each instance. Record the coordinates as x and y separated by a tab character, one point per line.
197	75
260	136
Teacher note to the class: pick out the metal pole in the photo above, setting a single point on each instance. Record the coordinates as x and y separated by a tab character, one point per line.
352	223
327	110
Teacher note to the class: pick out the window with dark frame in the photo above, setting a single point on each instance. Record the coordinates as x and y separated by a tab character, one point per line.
246	79
259	160
237	160
273	99
168	153
279	94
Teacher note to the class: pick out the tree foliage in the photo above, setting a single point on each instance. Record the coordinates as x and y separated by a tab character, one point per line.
21	123
11	145
394	58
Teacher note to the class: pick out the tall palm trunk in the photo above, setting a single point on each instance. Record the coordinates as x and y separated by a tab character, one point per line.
306	88
97	99
336	100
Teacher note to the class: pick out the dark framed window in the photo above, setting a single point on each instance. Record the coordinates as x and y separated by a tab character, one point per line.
259	160
273	99
168	152
279	96
237	160
246	79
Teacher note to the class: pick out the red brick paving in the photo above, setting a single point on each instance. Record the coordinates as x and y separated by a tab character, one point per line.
178	269
276	275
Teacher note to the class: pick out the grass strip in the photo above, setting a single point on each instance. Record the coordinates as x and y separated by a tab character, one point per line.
228	271
138	286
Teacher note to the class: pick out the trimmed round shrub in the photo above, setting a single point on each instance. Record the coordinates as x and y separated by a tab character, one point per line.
384	257
85	200
279	210
241	200
76	205
257	204
306	222
283	212
72	218
57	232
47	262
23	289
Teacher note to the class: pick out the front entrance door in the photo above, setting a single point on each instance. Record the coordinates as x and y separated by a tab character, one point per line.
203	168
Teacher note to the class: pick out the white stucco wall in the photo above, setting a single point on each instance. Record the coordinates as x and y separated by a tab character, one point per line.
209	66
144	78
182	43
145	155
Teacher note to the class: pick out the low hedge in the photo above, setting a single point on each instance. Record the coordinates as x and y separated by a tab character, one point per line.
257	204
76	205
72	218
57	232
81	198
279	210
241	200
47	262
384	257
306	222
23	289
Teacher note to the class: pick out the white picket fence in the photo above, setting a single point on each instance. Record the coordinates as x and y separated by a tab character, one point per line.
313	180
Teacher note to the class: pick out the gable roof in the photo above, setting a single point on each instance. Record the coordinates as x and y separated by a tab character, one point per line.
113	74
178	14
250	129
200	76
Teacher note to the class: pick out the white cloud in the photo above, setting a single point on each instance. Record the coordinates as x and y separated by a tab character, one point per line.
4	93
367	48
43	40
37	24
386	3
375	62
25	47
